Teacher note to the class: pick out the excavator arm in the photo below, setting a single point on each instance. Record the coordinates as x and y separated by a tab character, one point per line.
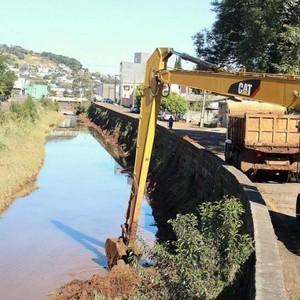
276	89
118	249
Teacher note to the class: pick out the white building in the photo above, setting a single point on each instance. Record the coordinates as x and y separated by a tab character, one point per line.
131	75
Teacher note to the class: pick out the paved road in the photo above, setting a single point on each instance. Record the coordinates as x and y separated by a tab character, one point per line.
210	138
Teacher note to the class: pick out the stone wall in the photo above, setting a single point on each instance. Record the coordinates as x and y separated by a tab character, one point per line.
182	175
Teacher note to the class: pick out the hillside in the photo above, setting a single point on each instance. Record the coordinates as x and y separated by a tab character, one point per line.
17	55
64	76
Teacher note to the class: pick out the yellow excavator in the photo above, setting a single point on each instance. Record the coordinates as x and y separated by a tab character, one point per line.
270	88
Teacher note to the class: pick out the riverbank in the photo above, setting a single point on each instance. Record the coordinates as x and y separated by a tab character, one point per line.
22	152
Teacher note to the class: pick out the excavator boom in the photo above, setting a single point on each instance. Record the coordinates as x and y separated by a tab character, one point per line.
276	89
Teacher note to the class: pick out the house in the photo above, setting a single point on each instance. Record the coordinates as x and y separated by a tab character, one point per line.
18	89
36	91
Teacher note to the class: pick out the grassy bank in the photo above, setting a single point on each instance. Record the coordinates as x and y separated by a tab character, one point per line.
22	147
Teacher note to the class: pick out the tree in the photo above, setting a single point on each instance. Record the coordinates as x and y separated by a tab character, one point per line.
72	63
138	95
178	63
83	85
7	79
250	34
290	48
174	103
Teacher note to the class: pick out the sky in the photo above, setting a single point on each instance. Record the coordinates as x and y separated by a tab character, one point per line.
103	33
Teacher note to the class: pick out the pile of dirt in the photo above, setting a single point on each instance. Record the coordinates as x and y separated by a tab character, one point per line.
116	285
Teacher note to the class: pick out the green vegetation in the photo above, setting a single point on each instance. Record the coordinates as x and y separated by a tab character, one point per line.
72	63
209	250
24	113
175	103
83	85
260	35
7	78
138	95
15	50
82	107
18	53
48	104
22	138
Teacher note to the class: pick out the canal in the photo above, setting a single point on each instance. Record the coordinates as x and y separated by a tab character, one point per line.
57	233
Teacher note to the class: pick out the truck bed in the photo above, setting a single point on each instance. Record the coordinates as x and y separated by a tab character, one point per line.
265	132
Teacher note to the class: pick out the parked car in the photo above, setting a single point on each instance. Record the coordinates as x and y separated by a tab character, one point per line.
165	116
135	109
108	100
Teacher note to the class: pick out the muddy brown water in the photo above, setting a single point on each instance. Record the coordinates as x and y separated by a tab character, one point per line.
57	233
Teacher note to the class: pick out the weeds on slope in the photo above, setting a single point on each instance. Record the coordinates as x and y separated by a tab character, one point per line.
22	138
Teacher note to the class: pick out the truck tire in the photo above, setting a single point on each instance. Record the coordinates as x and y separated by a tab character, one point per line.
236	161
297	177
252	175
284	176
228	153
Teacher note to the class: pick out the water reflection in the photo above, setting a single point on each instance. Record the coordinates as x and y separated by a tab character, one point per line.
69	128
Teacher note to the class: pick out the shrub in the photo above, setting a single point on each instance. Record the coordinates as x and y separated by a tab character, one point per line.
48	104
3	118
208	252
82	107
25	112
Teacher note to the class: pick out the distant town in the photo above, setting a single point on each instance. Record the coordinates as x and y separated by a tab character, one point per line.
46	74
59	77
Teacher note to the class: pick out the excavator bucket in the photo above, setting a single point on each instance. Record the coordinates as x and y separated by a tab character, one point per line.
116	252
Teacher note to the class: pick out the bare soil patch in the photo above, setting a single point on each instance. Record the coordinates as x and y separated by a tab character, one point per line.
116	285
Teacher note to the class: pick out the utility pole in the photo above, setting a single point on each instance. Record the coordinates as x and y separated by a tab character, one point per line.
205	94
133	92
116	89
115	97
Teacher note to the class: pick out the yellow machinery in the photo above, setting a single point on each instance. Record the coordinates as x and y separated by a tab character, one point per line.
271	88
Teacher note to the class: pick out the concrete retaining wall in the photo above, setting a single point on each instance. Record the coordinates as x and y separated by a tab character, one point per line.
184	174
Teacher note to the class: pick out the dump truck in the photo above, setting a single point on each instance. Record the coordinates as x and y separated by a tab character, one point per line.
264	142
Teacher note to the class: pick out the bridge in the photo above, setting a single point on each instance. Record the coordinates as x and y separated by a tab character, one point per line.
67	105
